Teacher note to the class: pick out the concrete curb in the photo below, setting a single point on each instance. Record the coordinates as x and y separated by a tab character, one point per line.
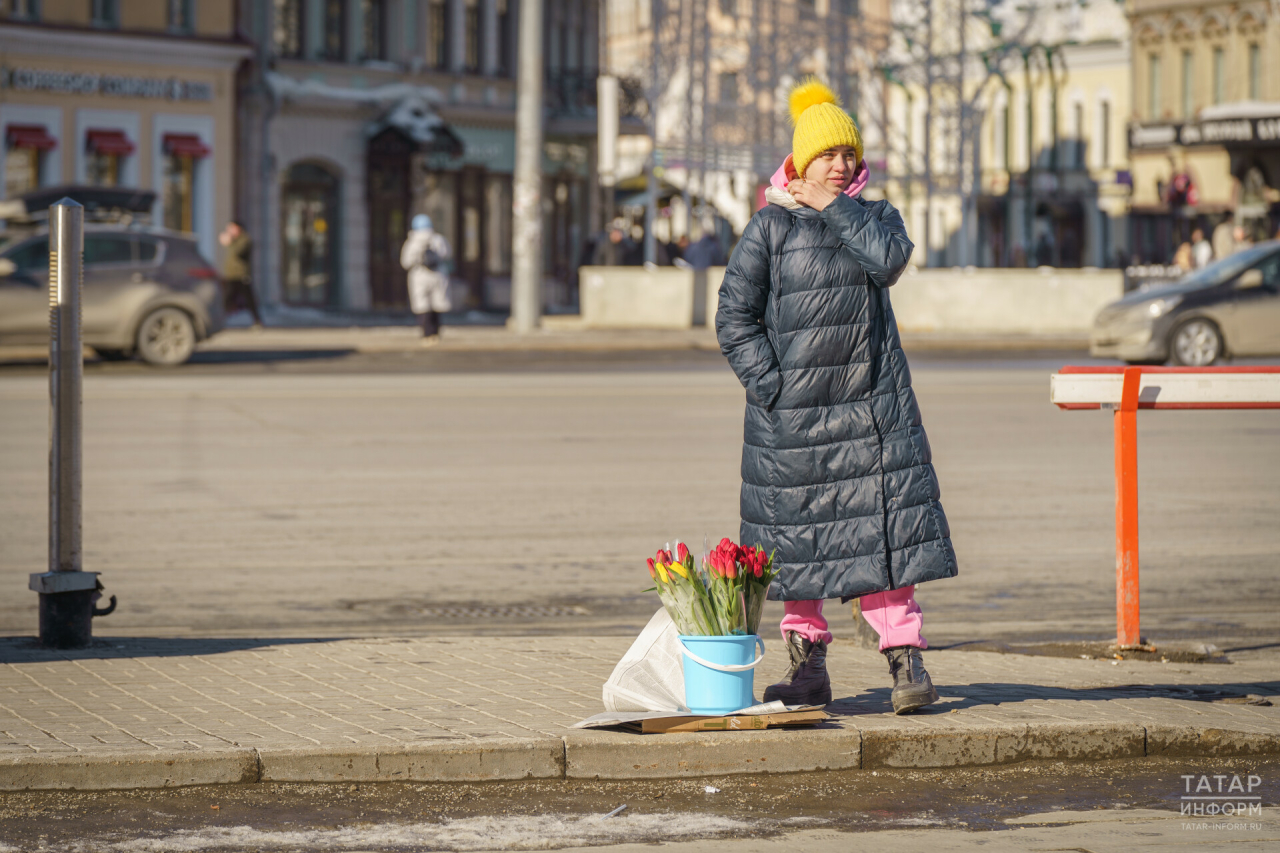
619	756
116	770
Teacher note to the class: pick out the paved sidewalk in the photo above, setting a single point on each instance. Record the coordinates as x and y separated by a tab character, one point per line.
151	713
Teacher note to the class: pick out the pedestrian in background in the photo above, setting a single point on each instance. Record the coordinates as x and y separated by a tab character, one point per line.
1224	241
837	474
1201	250
237	284
424	255
1183	258
614	249
706	252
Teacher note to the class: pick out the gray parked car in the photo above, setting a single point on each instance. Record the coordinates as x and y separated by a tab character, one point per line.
147	292
1229	308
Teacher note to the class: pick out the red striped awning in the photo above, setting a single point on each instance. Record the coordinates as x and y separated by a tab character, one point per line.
185	145
109	142
29	136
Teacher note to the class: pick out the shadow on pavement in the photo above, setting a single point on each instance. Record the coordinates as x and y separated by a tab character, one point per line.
246	356
28	649
876	700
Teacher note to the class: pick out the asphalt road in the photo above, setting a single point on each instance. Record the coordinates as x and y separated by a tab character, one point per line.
508	493
1109	806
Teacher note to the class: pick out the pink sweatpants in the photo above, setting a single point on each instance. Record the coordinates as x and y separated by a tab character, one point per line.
894	614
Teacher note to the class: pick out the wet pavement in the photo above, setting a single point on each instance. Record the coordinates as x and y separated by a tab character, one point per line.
552	814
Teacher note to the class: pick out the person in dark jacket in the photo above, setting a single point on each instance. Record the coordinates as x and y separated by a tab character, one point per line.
236	281
836	468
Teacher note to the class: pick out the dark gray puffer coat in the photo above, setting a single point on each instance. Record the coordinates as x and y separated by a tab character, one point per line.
836	468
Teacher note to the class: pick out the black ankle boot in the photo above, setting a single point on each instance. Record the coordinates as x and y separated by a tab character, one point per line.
807	681
912	687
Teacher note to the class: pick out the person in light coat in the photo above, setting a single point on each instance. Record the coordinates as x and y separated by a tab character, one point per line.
424	255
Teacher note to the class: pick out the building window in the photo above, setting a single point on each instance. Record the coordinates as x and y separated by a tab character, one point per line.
373	29
1153	86
503	11
1188	83
24	10
27	146
105	13
809	7
1255	71
1219	74
728	87
438	34
471	36
729	7
181	16
849	8
1104	135
333	44
498	207
182	153
1002	137
1077	129
287	28
309	219
105	151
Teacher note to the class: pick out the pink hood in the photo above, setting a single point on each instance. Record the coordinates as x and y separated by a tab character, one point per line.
787	173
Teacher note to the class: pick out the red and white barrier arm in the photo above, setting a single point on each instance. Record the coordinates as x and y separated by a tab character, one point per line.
1168	387
1126	390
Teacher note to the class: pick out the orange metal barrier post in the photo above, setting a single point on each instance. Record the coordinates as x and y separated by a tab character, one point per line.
1074	387
1126	457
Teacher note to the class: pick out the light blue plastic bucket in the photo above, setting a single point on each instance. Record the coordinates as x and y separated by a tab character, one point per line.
719	672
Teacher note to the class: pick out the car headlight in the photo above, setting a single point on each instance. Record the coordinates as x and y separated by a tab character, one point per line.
1159	307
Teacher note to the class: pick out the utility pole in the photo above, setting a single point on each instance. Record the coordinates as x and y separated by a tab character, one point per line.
650	166
928	134
966	245
526	279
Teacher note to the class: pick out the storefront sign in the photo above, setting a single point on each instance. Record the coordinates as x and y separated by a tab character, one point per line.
1236	132
109	85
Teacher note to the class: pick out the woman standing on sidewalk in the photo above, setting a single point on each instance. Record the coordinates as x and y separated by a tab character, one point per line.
835	465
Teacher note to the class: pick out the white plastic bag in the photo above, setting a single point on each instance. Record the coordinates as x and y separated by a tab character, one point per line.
650	676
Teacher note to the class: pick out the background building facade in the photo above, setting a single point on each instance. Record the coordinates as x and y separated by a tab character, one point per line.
357	114
137	94
1205	126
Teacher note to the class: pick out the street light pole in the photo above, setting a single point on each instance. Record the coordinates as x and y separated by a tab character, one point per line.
526	279
67	592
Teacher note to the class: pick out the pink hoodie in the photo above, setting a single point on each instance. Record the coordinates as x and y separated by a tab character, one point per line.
787	173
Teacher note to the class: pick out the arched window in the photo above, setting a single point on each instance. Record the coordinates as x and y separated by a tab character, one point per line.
309	235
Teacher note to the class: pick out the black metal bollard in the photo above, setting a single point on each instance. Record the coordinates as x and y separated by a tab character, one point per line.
67	593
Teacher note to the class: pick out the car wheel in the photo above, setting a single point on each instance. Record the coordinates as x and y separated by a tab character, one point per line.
113	354
1196	343
166	337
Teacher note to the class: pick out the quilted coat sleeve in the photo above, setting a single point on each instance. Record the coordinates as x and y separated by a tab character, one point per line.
874	233
744	296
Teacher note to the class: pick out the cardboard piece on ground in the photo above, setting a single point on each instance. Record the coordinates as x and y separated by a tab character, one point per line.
767	715
790	719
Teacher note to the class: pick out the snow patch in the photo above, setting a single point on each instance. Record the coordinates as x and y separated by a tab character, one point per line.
466	834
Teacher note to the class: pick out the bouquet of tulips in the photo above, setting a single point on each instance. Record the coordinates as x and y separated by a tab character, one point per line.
723	598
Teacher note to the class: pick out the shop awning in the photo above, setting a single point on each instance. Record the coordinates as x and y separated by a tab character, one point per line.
185	145
109	142
29	136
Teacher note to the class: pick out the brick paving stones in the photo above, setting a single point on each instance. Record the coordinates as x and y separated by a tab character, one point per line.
150	712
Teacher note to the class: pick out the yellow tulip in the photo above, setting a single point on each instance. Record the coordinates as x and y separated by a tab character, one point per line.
662	573
679	569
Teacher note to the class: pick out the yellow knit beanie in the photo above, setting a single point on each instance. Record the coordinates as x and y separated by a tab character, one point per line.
820	124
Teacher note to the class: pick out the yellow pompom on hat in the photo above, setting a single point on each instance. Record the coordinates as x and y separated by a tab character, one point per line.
820	124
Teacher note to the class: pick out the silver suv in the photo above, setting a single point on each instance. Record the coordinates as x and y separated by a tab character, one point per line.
147	292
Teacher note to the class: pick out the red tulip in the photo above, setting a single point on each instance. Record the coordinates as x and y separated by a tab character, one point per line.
653	572
682	551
